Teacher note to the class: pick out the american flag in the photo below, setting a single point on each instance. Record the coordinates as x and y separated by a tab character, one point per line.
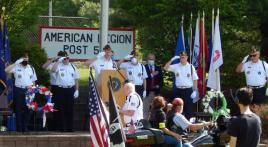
98	130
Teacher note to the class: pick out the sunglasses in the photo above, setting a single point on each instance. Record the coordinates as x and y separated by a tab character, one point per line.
66	58
253	55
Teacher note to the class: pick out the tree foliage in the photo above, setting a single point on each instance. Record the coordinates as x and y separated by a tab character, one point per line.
158	22
242	23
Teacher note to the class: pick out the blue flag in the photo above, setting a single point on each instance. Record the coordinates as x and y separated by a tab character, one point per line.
2	65
180	45
9	80
210	47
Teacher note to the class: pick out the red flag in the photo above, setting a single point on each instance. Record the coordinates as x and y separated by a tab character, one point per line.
203	59
98	130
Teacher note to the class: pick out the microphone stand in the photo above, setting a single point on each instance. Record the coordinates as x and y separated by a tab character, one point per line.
118	70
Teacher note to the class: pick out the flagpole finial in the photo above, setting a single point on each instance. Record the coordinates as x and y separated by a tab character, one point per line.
218	11
182	18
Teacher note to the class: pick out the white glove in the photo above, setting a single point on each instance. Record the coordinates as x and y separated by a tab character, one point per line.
193	95
144	94
128	57
245	59
266	93
175	57
76	94
19	61
61	59
100	54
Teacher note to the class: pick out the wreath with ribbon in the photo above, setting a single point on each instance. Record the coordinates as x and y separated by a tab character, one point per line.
33	105
207	102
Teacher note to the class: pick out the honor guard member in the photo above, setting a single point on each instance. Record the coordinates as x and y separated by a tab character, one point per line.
133	107
25	77
136	73
53	86
68	89
186	81
256	72
103	61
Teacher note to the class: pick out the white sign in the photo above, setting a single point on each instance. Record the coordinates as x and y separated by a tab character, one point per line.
83	43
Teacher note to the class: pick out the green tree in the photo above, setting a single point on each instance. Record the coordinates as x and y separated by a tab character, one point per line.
157	24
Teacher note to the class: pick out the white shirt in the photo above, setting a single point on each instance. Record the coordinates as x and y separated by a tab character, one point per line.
255	73
133	102
24	76
183	74
53	76
66	75
181	121
135	73
102	63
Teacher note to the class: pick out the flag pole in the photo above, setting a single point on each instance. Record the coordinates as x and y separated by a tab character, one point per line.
217	70
183	41
191	38
2	17
198	17
203	56
212	26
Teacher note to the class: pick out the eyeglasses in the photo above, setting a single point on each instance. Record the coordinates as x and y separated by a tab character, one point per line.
253	55
66	58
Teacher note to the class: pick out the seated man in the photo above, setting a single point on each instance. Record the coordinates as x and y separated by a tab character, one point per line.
133	107
178	123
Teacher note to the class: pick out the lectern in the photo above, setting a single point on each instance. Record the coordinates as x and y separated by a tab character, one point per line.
117	85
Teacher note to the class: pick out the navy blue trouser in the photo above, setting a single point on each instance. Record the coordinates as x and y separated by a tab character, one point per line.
259	95
65	99
55	100
21	110
139	89
185	94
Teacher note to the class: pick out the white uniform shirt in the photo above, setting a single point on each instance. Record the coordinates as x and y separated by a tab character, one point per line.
181	121
24	76
53	76
102	64
255	73
133	102
135	73
183	74
66	75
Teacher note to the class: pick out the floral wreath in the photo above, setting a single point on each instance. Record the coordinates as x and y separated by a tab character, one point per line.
215	112
32	105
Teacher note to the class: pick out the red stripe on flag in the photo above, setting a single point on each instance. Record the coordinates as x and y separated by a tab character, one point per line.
95	133
103	132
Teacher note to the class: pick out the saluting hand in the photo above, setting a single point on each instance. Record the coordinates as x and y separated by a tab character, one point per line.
61	59
175	57
246	58
19	61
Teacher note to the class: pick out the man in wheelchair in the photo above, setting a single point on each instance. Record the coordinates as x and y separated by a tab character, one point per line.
177	122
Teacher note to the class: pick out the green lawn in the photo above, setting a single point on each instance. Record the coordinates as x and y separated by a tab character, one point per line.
84	74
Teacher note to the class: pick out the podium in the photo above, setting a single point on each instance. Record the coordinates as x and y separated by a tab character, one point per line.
117	85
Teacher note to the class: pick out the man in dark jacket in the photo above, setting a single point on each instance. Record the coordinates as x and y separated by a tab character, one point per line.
154	81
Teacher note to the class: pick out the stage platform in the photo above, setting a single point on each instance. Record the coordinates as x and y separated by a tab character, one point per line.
44	139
